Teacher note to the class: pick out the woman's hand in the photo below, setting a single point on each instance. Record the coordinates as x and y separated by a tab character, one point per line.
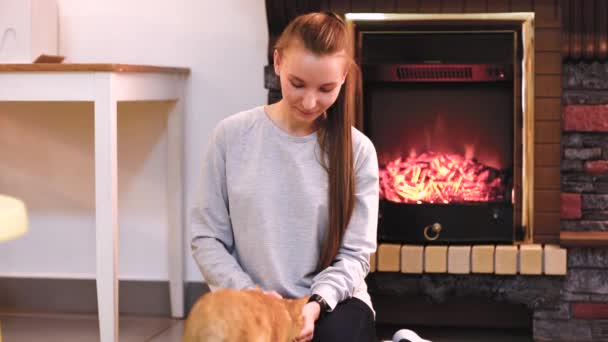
310	313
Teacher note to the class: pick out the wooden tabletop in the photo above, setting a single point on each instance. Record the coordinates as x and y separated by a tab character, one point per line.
101	67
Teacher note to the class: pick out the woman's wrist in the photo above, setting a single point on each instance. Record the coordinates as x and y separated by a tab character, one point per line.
314	308
320	302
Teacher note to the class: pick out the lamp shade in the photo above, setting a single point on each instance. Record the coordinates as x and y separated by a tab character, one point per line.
13	218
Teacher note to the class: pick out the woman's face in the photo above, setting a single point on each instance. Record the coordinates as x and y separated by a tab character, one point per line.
310	84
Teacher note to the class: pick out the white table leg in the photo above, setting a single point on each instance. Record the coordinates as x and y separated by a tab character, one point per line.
106	207
175	210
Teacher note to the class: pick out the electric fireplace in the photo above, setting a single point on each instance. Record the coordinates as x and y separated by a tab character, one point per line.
441	109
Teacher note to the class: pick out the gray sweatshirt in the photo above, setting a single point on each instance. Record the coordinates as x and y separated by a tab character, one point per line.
261	215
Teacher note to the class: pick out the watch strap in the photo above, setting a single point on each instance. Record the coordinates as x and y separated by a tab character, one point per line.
318	299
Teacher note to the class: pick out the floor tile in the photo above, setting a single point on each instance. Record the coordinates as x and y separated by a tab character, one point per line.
172	334
76	328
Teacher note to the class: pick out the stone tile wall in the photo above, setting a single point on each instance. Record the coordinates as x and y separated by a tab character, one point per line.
582	314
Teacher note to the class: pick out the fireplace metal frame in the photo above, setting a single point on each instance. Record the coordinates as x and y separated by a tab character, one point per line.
525	21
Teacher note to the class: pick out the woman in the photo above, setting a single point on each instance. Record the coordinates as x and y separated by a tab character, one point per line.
289	195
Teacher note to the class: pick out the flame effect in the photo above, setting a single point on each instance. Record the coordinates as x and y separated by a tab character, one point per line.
439	178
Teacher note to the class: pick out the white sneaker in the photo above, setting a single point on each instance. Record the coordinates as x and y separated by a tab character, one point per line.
406	335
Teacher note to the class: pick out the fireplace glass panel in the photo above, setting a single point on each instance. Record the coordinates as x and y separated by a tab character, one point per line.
445	146
445	153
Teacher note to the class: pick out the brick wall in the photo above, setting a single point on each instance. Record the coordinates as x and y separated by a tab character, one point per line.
582	314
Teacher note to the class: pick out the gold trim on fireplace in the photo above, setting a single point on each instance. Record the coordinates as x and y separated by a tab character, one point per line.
526	20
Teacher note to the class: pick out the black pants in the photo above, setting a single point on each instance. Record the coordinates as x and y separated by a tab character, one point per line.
351	321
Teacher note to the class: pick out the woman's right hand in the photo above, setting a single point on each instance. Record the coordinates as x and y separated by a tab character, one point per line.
310	314
274	294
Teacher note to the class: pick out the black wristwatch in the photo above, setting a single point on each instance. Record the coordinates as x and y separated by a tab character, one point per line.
322	303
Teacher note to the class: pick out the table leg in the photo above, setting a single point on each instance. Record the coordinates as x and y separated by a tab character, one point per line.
106	207
175	211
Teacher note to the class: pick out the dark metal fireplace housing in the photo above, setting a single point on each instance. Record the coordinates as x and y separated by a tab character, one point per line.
563	145
440	107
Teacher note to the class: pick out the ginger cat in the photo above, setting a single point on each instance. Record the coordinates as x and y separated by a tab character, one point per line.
244	316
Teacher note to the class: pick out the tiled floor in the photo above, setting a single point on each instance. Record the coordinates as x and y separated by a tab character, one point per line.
83	328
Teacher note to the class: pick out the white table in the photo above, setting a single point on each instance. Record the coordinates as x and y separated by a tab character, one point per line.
105	85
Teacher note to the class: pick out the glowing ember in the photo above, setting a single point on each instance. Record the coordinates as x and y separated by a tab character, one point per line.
439	178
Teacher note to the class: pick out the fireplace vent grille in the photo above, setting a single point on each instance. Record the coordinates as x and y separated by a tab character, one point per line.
437	73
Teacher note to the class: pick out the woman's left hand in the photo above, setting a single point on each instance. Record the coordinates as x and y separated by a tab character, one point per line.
310	313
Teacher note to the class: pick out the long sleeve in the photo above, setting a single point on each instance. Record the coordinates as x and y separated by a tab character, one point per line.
338	281
212	239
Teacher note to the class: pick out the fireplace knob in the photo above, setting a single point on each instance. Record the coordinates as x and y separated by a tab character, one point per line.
431	232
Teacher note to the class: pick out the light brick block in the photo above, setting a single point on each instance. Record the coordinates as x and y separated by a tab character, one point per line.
505	260
530	259
555	260
389	256
435	259
459	259
372	262
412	258
482	259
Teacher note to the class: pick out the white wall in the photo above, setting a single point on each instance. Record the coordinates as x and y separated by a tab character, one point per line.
46	152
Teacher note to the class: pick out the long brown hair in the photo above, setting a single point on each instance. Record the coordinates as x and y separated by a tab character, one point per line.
326	34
